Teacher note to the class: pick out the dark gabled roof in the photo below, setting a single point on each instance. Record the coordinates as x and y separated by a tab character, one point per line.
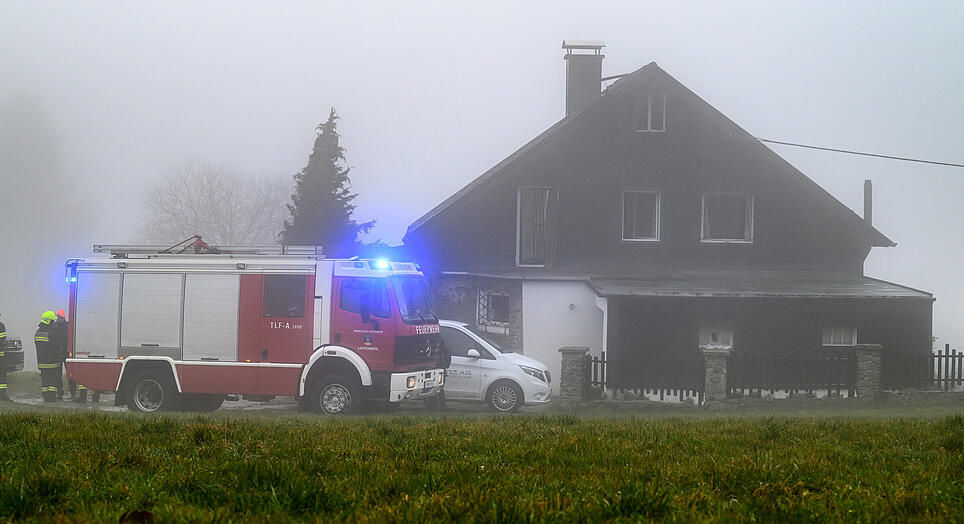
878	239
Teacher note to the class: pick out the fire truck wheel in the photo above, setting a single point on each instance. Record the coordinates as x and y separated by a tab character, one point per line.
200	403
151	391
505	397
336	395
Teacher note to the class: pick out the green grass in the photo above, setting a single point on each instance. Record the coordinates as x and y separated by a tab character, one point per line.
95	466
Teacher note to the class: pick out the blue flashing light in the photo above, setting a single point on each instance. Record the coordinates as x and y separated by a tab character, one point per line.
381	263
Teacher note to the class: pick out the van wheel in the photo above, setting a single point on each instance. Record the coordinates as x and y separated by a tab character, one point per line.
505	397
200	403
151	391
336	395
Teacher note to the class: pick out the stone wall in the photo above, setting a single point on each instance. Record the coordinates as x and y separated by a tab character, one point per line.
868	370
573	377
714	387
457	298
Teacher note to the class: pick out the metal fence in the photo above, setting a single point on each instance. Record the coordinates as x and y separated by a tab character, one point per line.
822	373
664	378
942	370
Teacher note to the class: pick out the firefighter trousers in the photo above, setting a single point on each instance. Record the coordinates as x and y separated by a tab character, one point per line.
49	375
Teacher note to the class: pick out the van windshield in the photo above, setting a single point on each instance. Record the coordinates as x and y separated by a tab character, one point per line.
414	299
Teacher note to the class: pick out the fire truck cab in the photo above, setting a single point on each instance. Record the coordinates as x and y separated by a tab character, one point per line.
186	331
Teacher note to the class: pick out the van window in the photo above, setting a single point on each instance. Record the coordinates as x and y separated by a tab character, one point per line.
284	296
457	343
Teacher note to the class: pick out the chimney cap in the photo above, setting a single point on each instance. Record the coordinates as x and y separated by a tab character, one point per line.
595	45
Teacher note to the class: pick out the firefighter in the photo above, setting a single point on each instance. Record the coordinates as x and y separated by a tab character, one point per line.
3	363
58	337
47	356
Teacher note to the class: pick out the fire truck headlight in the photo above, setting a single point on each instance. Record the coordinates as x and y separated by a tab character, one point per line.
381	263
411	382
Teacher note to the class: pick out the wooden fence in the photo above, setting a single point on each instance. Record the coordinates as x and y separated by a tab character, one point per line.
942	370
825	372
658	378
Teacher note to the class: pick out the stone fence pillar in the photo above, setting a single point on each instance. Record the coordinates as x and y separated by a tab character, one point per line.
715	357
572	383
868	369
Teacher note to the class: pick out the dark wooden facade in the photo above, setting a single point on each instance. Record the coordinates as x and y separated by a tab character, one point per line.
594	155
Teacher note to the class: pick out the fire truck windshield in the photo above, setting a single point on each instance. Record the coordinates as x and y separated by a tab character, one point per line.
414	300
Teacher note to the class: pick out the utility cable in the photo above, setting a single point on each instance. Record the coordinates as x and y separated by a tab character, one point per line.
889	157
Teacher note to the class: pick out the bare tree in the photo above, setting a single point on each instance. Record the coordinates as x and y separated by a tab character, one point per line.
223	206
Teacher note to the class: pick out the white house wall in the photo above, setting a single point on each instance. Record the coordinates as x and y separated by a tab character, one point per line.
559	314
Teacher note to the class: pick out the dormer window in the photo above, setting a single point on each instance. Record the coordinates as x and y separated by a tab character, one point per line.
641	216
727	218
651	112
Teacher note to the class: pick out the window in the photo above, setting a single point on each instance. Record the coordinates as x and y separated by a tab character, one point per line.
727	217
839	336
284	296
414	299
493	311
651	112
456	342
356	291
640	216
716	336
537	217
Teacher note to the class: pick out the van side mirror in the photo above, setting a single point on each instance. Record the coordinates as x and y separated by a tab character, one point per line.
473	353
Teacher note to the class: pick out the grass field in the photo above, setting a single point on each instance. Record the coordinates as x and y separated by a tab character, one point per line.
89	466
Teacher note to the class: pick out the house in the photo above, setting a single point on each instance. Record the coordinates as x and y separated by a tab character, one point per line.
646	223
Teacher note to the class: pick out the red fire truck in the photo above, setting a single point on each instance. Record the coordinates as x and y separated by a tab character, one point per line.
186	331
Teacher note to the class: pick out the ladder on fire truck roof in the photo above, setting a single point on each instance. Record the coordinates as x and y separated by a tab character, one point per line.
196	246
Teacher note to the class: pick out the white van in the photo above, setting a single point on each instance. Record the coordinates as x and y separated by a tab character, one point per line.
482	371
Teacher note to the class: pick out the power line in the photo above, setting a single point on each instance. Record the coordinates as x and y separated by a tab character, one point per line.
905	159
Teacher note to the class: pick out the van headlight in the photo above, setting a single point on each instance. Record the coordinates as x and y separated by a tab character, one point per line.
533	372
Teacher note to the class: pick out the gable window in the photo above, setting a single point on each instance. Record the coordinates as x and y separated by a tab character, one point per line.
641	216
537	208
493	311
651	112
727	217
839	336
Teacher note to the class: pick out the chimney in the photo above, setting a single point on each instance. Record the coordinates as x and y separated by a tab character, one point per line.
869	202
583	72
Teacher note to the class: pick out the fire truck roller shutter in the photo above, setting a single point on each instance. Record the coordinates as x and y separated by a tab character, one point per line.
151	314
211	316
95	315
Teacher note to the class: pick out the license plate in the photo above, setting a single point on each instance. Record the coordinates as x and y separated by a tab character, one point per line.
428	384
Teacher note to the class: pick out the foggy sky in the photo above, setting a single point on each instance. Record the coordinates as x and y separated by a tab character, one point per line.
431	94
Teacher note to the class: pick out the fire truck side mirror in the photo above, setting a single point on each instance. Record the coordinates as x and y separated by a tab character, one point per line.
365	309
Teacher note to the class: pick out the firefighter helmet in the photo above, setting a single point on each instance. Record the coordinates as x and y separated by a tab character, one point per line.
48	317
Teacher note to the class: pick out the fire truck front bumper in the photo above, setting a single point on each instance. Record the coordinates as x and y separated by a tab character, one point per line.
416	385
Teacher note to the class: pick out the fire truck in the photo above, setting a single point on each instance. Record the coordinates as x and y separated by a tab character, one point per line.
169	330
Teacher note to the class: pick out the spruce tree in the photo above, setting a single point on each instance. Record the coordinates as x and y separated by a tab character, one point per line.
321	207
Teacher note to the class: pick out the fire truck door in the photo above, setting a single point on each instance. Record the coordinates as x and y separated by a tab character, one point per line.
285	331
362	315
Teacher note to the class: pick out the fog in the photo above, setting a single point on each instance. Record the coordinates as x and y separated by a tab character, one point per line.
98	100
